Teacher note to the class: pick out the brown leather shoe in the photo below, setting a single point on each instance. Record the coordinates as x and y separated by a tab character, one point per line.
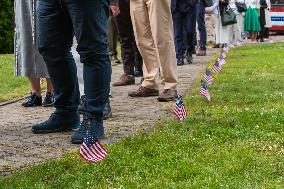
167	95
124	80
143	92
201	52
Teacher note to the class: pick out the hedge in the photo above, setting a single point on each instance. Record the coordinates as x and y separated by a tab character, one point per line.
6	26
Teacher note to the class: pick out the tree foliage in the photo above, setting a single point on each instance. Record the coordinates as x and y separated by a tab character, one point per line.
6	26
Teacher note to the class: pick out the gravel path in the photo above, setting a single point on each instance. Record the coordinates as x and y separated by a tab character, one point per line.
19	146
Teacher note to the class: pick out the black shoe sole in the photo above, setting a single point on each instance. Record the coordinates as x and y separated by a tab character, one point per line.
55	130
30	106
47	105
80	141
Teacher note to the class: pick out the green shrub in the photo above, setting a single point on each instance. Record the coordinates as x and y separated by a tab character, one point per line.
6	26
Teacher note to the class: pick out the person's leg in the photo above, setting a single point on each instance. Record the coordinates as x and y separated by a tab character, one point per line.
35	98
253	36
201	27
126	34
138	62
112	37
261	33
49	87
55	41
115	35
89	20
178	23
35	85
217	29
49	97
239	27
190	25
162	30
145	43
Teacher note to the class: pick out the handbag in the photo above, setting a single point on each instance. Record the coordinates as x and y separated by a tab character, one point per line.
241	7
228	17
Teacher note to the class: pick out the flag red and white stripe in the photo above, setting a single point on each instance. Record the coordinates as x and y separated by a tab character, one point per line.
208	77
91	149
221	61
216	68
204	91
179	109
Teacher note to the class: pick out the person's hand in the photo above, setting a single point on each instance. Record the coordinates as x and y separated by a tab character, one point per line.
114	10
208	10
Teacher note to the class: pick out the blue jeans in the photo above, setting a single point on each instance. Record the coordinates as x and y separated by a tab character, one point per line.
200	14
59	21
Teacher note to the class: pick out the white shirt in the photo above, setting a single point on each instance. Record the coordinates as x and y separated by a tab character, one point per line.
252	3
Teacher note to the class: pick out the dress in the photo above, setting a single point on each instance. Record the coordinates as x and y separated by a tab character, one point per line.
223	34
251	16
28	61
239	26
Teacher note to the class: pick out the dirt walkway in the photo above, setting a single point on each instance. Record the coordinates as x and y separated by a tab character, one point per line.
18	146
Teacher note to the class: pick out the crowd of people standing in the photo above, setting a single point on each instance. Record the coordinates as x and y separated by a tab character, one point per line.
156	36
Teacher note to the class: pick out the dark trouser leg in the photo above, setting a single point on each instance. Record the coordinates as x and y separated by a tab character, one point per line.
126	34
138	59
89	20
201	24
55	41
266	33
262	24
112	35
261	32
178	22
190	25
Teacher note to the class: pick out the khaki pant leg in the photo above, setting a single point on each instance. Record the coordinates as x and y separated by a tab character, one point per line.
145	42
162	30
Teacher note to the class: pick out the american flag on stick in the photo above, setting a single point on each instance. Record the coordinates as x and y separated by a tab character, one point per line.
179	109
204	90
91	149
221	61
216	68
223	55
226	48
208	77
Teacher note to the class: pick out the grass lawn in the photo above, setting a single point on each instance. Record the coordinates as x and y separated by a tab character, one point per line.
11	86
236	141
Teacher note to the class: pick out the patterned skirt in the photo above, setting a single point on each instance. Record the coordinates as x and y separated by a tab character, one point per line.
28	61
252	20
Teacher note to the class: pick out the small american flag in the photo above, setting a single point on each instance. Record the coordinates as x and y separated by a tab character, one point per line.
221	61
208	77
204	90
223	55
226	48
91	149
216	68
179	109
